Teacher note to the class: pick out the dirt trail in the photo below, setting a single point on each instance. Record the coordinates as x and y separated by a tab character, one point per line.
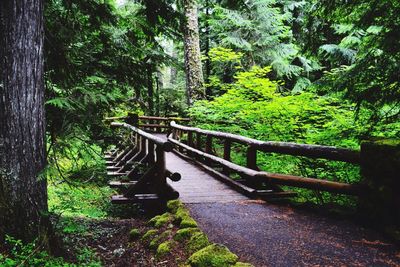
272	235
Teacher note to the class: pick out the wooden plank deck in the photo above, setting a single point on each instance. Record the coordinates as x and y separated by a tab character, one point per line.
196	185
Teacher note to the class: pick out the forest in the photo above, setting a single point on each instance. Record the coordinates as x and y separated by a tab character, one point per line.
318	72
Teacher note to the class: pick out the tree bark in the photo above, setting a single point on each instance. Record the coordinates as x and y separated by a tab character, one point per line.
23	192
194	73
207	52
150	90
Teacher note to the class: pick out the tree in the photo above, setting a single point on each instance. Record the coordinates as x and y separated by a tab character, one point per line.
23	195
194	73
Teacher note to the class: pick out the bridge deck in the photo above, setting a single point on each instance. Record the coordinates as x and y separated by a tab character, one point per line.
196	185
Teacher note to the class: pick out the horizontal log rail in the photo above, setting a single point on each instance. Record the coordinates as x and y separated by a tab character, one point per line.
148	123
251	172
288	148
167	146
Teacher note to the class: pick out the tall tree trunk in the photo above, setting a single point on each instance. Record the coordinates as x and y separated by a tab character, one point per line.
194	73
207	52
159	87
23	195
150	89
174	71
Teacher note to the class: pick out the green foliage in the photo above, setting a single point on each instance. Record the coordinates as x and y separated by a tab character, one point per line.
31	254
253	106
362	36
261	32
86	200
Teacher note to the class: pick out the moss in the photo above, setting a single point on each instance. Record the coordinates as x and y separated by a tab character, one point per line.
242	264
154	242
384	142
161	220
159	239
185	233
174	205
134	234
149	235
188	222
181	213
213	256
198	241
164	248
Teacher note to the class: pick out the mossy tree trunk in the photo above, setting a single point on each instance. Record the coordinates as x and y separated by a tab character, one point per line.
194	73
23	196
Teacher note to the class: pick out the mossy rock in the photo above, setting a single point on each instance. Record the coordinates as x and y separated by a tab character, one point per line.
149	235
185	233
164	248
198	241
134	234
242	264
214	255
181	213
157	240
174	205
161	220
188	222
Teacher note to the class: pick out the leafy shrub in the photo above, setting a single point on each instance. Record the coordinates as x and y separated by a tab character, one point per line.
252	106
32	254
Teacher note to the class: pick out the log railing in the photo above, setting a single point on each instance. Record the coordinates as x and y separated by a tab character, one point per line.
251	174
149	123
140	167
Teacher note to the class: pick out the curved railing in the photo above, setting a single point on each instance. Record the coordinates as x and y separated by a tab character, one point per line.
250	172
140	167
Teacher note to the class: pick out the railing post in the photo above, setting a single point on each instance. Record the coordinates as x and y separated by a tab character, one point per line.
252	157
180	149
198	141
208	147
132	119
150	153
160	179
227	155
252	164
190	138
143	146
208	144
380	168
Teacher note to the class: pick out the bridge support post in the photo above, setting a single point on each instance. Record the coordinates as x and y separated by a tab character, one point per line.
380	169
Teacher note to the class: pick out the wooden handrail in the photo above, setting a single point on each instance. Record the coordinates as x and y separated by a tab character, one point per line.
288	148
148	151
163	118
283	179
167	146
148	118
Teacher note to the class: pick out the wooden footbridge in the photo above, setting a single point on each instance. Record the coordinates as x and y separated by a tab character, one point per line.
158	159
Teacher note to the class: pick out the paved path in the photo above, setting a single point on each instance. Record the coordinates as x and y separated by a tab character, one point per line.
273	235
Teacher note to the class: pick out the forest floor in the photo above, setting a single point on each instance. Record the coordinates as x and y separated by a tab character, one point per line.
110	241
